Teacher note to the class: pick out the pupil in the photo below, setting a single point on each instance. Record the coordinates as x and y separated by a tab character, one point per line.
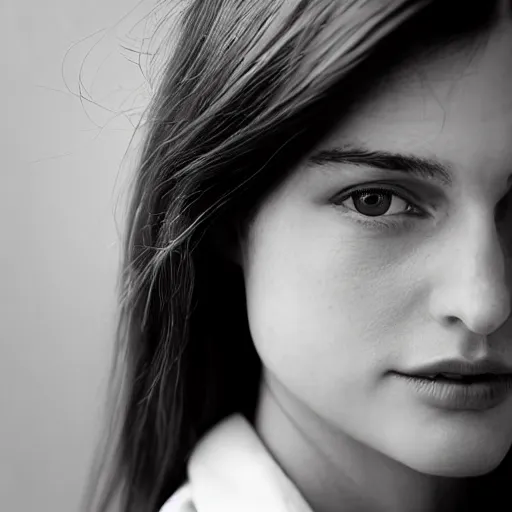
372	204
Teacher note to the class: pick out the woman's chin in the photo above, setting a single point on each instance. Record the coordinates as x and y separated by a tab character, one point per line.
473	462
458	469
450	444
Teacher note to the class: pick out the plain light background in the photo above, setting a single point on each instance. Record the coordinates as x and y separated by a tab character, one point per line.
59	246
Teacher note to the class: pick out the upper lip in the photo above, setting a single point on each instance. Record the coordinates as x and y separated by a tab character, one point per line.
459	367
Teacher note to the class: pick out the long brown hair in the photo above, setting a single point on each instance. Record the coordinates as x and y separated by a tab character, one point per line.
250	88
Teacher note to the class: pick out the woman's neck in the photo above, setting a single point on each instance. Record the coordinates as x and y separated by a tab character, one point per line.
333	471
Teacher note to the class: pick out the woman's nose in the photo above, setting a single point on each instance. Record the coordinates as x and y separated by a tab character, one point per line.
472	279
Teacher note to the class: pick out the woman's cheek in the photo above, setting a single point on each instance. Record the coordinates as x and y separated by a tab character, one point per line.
294	315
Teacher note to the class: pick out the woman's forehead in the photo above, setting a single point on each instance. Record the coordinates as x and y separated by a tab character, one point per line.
470	77
450	103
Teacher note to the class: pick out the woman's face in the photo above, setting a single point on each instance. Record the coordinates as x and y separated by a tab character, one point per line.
344	289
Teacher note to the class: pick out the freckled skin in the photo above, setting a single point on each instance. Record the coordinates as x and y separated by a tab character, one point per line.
334	304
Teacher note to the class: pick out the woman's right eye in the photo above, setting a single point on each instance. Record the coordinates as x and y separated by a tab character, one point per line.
378	202
376	207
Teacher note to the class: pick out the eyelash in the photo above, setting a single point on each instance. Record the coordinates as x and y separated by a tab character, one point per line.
414	211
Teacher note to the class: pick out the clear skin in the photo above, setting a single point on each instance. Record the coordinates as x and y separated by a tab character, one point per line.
334	304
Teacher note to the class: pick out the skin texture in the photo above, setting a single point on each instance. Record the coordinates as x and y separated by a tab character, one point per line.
335	304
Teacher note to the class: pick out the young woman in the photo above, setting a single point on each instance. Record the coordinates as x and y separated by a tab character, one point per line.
317	278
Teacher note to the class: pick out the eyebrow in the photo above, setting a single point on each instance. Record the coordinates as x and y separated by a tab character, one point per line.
413	165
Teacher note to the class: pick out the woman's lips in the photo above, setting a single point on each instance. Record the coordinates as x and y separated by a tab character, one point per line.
459	367
459	392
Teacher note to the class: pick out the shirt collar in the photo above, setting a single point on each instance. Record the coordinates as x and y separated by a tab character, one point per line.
231	470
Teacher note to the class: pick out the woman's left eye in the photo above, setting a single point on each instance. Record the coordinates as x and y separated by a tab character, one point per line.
378	202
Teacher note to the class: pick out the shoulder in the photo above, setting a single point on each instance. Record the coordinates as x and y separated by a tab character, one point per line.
180	501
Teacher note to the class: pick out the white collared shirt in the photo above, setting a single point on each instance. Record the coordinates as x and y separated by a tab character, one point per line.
230	470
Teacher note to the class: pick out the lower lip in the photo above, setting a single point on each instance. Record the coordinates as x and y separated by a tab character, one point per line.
460	396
